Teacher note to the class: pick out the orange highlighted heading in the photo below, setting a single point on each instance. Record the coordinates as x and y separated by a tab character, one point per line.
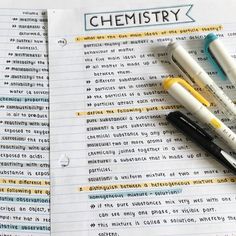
159	33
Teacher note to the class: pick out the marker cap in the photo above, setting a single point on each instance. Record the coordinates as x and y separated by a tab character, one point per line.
207	41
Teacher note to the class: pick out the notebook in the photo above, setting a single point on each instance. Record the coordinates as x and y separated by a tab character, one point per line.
117	166
24	124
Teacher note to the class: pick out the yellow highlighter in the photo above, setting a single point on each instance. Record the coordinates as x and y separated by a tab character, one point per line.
187	96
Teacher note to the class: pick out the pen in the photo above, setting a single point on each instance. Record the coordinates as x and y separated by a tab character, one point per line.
220	58
193	102
202	138
193	73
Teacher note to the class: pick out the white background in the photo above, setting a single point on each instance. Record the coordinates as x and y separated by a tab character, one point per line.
52	3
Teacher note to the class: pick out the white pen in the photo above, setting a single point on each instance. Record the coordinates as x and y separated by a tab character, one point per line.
220	58
193	102
193	73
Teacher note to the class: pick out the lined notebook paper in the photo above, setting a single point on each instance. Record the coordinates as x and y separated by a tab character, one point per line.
24	126
117	167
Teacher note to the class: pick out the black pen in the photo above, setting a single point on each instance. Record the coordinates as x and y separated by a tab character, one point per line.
199	136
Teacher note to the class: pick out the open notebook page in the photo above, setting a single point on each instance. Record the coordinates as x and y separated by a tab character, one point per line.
117	166
24	131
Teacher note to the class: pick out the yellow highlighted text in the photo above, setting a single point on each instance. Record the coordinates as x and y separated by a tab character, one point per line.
159	33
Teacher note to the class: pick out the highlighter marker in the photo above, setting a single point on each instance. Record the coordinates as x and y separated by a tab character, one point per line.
193	73
202	138
220	58
193	102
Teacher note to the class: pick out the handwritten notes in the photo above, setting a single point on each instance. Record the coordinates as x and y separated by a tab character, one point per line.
24	126
118	167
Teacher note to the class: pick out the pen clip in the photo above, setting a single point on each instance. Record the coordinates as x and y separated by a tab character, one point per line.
167	83
182	121
207	41
177	65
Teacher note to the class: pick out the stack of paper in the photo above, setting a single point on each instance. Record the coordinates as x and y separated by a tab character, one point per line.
117	166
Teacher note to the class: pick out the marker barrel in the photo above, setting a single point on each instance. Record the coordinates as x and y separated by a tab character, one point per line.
223	58
188	67
223	131
186	99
